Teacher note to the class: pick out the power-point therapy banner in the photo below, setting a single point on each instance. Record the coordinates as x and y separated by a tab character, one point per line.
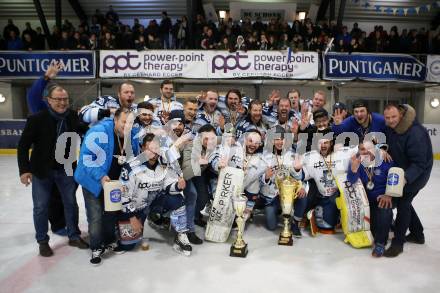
209	64
22	64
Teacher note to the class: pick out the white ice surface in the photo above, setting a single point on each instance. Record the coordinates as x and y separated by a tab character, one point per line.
321	264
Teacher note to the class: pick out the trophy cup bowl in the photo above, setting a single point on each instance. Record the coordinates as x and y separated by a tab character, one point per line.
288	189
239	247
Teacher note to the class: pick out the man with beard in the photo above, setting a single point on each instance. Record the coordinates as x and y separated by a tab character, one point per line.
195	170
190	113
166	102
209	112
373	176
232	108
152	186
276	161
252	168
411	149
146	121
323	166
100	160
361	123
253	120
285	118
41	132
270	108
106	106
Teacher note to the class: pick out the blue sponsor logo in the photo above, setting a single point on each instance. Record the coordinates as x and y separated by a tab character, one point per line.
393	179
115	195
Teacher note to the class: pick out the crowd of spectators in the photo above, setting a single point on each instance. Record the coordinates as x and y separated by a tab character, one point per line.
107	32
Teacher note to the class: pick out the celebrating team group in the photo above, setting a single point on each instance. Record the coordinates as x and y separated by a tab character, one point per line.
168	156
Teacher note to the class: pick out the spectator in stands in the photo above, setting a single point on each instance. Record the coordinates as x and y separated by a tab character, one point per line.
181	33
2	43
108	43
14	42
345	37
393	42
208	42
40	40
10	27
140	44
263	44
29	30
165	29
198	31
376	42
126	39
112	15
136	25
99	17
152	28
154	42
78	42
414	45
240	44
95	28
252	43
65	43
224	44
297	43
93	43
356	32
28	43
284	43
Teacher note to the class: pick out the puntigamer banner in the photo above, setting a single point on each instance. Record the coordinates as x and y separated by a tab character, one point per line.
19	64
209	64
374	67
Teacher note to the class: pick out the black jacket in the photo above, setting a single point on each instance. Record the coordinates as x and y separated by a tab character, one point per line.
40	134
410	147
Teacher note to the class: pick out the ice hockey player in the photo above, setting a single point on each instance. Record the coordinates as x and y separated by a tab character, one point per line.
151	185
279	160
323	166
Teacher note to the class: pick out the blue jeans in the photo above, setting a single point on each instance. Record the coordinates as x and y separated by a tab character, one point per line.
381	220
190	193
101	224
272	207
41	194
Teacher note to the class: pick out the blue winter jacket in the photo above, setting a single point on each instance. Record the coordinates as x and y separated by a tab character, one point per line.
350	124
96	155
379	179
410	147
35	95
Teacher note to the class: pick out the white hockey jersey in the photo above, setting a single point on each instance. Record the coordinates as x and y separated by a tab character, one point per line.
142	184
314	167
283	163
99	109
162	105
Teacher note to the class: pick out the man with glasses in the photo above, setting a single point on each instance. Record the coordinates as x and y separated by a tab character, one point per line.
41	132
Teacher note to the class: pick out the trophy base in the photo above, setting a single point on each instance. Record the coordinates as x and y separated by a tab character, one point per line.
238	252
287	241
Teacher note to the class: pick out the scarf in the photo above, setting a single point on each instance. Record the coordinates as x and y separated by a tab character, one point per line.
61	120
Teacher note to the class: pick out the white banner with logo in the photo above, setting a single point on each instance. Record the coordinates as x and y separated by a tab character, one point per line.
433	68
208	64
153	64
273	64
